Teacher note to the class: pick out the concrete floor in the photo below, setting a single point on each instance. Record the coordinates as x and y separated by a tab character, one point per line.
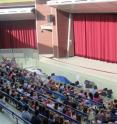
102	73
6	118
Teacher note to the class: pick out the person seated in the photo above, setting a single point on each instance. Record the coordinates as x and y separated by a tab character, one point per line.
45	121
25	114
77	83
93	90
36	118
96	98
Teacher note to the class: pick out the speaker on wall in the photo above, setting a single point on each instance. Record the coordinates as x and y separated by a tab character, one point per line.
50	18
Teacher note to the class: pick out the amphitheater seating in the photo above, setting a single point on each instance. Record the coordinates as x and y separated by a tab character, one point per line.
14	115
24	88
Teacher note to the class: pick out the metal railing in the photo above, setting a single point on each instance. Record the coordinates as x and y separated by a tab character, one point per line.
77	111
17	117
20	103
53	110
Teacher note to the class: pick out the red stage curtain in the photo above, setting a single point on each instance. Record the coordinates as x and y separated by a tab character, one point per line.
95	36
17	34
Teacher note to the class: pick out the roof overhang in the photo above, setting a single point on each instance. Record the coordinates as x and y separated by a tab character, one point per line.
85	6
17	4
21	13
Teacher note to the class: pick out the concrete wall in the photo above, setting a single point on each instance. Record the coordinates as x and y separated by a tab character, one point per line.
44	37
60	34
55	41
62	23
24	57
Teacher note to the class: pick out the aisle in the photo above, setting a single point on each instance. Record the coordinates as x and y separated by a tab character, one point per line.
6	118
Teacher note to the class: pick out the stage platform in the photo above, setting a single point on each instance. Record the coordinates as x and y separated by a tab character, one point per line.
93	67
102	73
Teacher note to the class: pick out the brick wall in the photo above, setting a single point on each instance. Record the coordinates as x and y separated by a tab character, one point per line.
44	37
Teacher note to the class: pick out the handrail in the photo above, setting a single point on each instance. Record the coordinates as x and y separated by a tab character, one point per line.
57	93
77	111
96	103
14	114
13	99
72	94
65	116
20	103
60	113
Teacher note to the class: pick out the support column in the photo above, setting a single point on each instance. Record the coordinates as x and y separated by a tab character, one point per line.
70	40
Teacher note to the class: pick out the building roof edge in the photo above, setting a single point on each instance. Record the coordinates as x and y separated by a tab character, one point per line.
16	4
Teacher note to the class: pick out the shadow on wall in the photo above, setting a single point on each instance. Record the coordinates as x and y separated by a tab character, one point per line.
25	57
17	34
22	34
62	51
39	16
58	52
41	1
15	43
44	49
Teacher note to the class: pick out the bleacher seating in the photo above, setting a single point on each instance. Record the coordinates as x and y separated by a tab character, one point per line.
25	88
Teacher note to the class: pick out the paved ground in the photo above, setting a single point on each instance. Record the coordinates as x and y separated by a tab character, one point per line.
74	67
6	118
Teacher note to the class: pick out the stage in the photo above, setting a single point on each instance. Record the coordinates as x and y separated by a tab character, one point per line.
102	73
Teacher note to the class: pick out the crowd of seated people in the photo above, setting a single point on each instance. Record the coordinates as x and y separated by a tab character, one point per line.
31	90
15	80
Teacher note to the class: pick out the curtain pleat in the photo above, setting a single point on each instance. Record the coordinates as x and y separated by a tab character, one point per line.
95	36
17	34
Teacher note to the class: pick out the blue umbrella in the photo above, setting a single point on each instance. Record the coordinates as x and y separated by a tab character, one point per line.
61	79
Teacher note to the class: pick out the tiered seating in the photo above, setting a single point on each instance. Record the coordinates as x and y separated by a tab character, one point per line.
14	115
51	98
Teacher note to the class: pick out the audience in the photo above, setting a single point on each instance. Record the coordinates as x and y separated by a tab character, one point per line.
31	89
36	118
25	114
